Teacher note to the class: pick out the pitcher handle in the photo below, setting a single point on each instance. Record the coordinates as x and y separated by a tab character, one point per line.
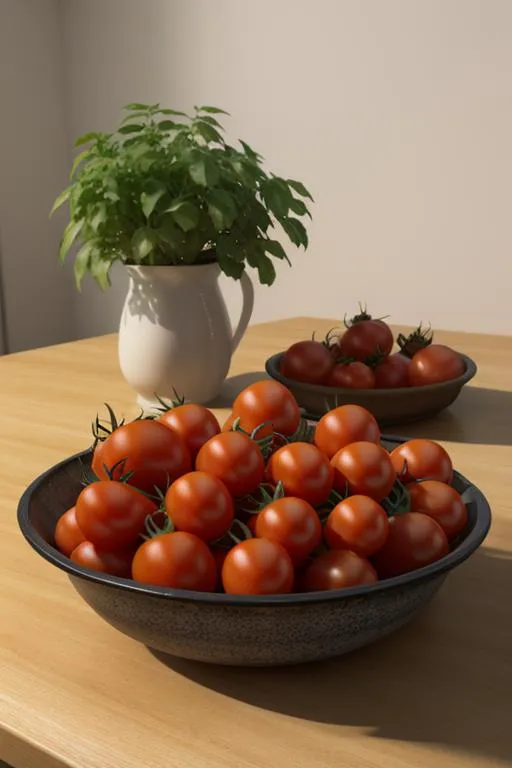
247	307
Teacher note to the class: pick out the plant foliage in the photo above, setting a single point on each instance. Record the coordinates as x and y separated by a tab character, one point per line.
166	189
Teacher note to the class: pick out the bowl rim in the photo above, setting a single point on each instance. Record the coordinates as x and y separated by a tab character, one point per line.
272	368
466	548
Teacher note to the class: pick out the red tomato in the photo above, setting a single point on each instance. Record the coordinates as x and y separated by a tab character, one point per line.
435	363
421	459
235	459
367	469
67	533
414	540
308	361
201	504
178	560
366	339
338	569
351	376
392	372
112	515
267	401
441	502
117	563
303	470
257	567
293	523
154	453
358	523
228	424
344	425
195	423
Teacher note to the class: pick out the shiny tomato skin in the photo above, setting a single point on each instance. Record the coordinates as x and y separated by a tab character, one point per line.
200	503
307	361
421	459
392	372
112	515
338	569
267	401
177	560
303	470
414	540
257	567
355	375
235	459
343	425
367	469
195	423
155	454
441	502
116	563
434	364
293	523
67	532
366	339
357	523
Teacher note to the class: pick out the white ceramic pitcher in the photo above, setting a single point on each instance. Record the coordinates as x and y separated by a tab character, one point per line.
175	332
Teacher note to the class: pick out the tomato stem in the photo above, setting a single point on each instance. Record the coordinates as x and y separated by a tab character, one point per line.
87	476
330	339
166	406
257	504
398	501
363	315
246	531
101	429
303	434
334	498
153	529
419	339
124	477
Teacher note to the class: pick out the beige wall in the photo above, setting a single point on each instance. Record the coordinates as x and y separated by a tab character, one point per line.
34	156
397	114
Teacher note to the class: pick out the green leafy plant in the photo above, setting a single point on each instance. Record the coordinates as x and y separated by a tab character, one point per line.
166	189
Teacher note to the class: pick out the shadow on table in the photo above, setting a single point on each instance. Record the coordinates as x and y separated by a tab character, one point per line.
478	416
427	683
233	385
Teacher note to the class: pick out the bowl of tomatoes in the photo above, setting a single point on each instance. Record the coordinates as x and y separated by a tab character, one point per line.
270	541
399	381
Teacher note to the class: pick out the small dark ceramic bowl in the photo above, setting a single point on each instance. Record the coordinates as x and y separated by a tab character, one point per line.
389	406
228	629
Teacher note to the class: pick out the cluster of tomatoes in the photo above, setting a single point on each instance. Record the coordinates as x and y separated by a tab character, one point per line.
361	357
266	505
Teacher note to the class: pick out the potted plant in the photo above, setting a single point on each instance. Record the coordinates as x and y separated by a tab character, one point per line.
169	198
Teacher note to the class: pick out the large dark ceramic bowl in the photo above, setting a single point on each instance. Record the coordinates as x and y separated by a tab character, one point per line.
389	406
228	629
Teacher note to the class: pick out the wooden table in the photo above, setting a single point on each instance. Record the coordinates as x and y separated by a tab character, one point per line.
74	692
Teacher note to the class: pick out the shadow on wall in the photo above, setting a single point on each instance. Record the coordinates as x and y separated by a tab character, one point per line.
97	313
415	686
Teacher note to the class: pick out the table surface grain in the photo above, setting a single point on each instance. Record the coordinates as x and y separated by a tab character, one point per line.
74	692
